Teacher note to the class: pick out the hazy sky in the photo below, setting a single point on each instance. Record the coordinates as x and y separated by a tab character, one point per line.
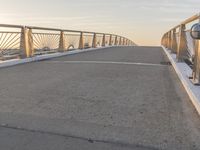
143	21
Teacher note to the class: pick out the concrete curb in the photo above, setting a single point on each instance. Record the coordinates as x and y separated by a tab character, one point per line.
14	62
184	71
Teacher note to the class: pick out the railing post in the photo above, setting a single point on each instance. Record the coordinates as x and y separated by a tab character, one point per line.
165	40
26	43
115	40
110	41
31	44
126	42
94	42
182	44
120	41
174	43
62	46
169	40
196	67
81	45
104	40
162	40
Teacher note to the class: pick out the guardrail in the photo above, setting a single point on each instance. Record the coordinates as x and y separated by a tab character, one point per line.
27	41
187	49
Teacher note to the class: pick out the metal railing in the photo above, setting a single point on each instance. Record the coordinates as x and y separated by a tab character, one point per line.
28	41
187	49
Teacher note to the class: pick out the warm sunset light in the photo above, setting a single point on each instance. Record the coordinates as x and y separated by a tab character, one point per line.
143	21
100	75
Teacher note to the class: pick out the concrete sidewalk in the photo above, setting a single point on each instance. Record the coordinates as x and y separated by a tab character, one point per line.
114	98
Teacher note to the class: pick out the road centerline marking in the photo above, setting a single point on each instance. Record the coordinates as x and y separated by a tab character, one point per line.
106	62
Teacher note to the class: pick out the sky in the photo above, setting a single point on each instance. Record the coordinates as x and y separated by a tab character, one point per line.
143	21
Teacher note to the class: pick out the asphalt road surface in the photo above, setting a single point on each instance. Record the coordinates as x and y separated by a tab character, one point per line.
125	98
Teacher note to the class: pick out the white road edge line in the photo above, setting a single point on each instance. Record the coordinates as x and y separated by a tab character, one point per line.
183	71
106	62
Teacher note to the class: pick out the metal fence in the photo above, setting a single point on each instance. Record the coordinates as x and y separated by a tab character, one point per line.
28	41
187	49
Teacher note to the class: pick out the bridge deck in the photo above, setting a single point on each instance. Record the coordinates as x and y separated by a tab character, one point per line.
114	98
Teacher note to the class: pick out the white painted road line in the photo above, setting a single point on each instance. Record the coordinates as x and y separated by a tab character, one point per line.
106	62
14	62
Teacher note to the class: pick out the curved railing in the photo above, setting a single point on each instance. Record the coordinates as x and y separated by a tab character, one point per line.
27	41
187	49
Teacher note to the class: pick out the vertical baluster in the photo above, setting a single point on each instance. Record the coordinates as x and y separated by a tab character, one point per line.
62	46
120	41
174	43
94	42
81	44
115	40
182	44
196	67
26	43
110	41
30	43
104	40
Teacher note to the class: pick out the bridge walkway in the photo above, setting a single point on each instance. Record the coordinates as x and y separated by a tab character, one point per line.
113	98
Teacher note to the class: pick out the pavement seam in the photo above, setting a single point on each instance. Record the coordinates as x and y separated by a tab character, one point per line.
128	145
57	134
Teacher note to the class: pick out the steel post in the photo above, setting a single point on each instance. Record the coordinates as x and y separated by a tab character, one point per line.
26	43
62	46
104	40
182	44
81	44
94	42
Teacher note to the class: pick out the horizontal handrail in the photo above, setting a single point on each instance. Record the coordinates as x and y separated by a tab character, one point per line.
187	21
54	29
11	26
76	31
43	28
191	19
